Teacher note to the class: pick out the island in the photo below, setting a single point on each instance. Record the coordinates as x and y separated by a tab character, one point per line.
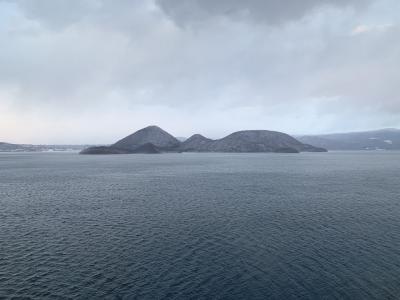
153	140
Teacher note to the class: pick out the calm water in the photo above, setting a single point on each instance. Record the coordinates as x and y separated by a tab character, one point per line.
200	226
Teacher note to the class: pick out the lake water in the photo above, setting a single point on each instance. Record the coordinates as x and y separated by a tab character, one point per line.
200	226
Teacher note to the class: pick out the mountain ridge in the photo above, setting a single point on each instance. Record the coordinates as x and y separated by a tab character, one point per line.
381	139
248	141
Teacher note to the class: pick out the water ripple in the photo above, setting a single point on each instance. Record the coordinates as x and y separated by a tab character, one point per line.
200	226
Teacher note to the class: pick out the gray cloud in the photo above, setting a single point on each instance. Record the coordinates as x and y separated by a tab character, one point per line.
317	67
57	13
266	11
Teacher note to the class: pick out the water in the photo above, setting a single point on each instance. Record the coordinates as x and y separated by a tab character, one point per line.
200	226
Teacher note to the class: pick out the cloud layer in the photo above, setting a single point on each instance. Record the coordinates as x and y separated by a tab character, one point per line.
272	12
91	71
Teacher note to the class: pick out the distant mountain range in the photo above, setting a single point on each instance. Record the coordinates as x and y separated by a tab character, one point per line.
384	139
153	139
7	147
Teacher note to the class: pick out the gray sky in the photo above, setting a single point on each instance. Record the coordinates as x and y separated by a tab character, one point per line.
93	71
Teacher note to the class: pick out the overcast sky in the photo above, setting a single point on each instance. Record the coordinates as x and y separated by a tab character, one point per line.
93	71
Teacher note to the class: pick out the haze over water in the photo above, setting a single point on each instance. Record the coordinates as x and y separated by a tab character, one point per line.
200	226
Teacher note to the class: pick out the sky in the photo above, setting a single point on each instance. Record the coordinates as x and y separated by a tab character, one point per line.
94	71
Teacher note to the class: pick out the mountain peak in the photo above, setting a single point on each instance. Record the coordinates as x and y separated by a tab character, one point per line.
198	136
150	134
152	127
196	142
